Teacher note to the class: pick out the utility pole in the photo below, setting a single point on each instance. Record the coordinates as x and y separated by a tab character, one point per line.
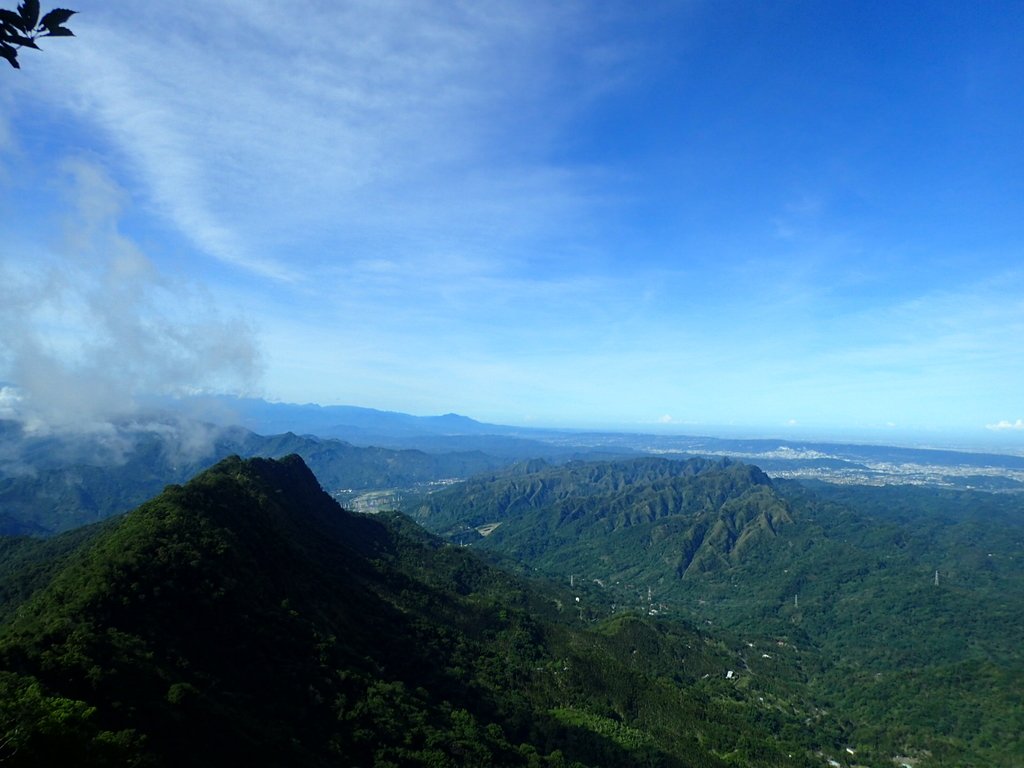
796	601
936	578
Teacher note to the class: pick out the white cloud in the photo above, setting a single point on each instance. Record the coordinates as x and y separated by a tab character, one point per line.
1004	425
9	400
88	327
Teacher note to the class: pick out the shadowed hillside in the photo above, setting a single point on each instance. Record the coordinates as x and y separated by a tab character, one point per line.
245	619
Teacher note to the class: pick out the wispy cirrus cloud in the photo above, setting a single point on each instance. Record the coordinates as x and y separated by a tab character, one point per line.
279	141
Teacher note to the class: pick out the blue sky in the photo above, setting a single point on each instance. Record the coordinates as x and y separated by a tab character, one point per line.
785	218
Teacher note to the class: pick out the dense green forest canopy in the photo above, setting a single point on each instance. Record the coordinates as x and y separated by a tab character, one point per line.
697	613
907	599
248	611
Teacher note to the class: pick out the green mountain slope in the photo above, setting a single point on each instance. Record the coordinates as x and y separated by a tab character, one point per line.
245	619
697	515
919	669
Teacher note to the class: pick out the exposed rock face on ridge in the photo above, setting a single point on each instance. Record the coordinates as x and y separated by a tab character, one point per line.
697	514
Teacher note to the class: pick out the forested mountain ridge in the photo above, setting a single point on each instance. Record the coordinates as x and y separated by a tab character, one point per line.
244	618
906	599
707	512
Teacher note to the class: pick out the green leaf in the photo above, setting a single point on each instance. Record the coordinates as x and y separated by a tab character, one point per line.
29	11
13	19
11	54
58	32
52	20
28	42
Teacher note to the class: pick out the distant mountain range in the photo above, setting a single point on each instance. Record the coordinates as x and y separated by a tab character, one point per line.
328	420
368	426
836	462
54	482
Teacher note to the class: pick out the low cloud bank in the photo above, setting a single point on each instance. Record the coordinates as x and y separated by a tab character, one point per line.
91	330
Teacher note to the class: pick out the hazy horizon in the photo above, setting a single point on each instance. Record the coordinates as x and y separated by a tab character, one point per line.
791	220
148	414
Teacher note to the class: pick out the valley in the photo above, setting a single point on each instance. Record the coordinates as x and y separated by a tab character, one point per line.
887	595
